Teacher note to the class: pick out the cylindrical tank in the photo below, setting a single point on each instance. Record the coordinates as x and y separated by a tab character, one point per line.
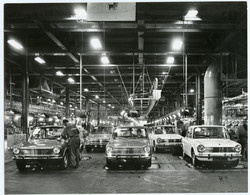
213	95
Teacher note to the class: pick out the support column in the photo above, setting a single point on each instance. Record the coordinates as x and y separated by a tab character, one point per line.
198	103
25	102
87	108
98	113
67	102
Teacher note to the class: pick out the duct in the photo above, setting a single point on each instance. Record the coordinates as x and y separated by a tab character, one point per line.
213	95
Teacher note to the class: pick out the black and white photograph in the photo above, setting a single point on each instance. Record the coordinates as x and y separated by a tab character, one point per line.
125	97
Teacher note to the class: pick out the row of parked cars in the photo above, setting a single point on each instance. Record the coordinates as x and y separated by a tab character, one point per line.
133	144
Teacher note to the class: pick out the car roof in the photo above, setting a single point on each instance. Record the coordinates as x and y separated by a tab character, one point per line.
51	126
131	127
207	126
164	126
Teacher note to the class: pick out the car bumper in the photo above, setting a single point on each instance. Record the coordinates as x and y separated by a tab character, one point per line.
37	157
97	145
129	158
219	157
168	145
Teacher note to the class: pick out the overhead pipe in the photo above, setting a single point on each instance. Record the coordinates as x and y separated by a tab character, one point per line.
213	95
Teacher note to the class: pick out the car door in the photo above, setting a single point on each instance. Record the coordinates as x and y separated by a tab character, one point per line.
187	142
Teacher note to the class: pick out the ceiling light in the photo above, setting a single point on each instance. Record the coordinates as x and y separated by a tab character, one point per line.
15	44
86	90
96	97
109	105
170	60
105	60
191	90
113	107
177	44
96	43
104	101
80	13
70	80
61	103
192	13
70	106
40	60
59	73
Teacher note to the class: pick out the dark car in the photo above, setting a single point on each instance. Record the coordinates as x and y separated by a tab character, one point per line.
43	147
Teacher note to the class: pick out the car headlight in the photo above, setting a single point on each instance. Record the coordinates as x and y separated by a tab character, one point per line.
158	140
56	149
16	150
237	148
146	149
201	148
109	149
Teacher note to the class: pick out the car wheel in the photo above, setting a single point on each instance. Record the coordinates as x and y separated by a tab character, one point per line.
234	163
184	156
88	149
20	166
110	164
147	164
65	161
195	161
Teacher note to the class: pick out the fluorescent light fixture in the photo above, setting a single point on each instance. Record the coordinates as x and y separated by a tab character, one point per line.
96	44
80	13
96	97
59	73
15	44
177	44
40	60
192	15
170	60
61	103
191	90
105	60
86	90
70	80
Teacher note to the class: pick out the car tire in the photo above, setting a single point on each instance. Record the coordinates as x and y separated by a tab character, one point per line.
234	163
195	161
110	164
65	161
20	166
88	149
184	156
147	164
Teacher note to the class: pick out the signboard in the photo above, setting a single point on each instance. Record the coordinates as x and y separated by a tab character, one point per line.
111	11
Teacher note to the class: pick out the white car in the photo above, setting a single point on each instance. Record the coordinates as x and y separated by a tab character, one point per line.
210	143
165	137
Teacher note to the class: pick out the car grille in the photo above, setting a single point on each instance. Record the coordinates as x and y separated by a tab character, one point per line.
221	149
171	140
99	140
36	151
128	151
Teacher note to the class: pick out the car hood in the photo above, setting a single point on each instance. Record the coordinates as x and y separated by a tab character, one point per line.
167	136
99	136
124	142
216	142
41	143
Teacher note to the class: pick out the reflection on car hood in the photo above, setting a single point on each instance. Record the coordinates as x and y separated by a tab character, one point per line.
41	143
124	142
166	136
216	142
99	136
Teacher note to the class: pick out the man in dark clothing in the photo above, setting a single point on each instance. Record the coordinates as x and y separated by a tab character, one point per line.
242	138
72	133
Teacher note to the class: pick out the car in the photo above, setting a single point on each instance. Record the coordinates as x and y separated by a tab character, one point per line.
44	146
98	137
210	143
127	146
165	137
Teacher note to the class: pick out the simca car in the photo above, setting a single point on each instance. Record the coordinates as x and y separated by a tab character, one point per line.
164	137
43	146
98	137
129	145
210	143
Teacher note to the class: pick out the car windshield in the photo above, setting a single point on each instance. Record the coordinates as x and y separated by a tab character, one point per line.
210	132
130	132
47	132
164	130
101	130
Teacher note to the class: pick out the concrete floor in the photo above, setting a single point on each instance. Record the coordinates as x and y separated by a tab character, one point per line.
168	174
